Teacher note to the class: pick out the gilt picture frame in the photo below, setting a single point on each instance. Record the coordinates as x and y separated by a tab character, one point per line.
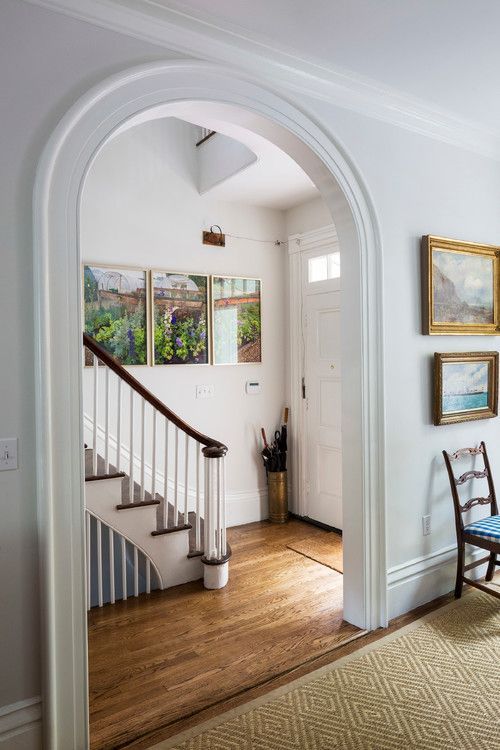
460	287
465	386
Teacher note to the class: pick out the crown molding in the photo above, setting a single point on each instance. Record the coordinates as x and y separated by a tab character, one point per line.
187	35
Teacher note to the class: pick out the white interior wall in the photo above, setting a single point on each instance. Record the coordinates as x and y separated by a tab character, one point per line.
141	207
49	60
307	216
418	185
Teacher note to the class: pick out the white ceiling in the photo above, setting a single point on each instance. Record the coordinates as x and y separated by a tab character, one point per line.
445	52
273	181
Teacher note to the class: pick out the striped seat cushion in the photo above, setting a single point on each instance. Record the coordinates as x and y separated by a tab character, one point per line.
487	528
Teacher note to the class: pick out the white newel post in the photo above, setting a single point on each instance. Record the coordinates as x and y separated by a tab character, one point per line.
216	555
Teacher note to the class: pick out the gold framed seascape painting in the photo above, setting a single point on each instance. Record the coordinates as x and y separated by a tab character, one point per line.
236	320
465	386
459	287
115	311
179	305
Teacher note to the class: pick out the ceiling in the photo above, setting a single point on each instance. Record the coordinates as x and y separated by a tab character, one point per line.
444	52
273	181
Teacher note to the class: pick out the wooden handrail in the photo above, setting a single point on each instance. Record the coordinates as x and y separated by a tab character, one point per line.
114	365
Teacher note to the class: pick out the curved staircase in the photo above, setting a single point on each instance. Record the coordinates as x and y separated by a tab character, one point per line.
145	527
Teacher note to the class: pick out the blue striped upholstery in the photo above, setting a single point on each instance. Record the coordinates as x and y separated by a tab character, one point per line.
487	528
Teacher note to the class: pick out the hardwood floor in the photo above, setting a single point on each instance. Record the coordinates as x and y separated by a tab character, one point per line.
160	660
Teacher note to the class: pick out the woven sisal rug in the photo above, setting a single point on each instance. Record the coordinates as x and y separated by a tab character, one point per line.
433	685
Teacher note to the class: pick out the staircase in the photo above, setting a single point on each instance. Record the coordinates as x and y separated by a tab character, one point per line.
154	490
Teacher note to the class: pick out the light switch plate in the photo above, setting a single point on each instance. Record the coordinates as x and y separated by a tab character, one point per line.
8	454
204	391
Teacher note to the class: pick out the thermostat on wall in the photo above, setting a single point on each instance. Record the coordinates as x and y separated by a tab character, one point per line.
253	387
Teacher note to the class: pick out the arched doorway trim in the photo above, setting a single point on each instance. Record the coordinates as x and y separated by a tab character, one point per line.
60	177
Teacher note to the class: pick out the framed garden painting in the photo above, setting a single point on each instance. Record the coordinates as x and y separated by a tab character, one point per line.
179	303
236	320
115	311
459	287
465	387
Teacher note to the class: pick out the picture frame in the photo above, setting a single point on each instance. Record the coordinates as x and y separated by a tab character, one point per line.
115	310
465	386
460	287
180	318
236	304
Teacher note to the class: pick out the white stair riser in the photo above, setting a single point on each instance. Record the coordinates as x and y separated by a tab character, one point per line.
167	551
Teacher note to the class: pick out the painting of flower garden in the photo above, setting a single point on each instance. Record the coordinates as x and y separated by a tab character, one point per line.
180	308
115	313
236	304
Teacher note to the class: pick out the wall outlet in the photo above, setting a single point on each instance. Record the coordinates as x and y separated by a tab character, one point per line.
8	454
426	525
204	391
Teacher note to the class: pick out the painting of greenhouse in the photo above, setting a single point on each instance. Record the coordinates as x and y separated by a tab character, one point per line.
115	311
180	309
236	310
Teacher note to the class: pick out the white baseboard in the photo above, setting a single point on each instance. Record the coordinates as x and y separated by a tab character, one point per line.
425	578
243	506
247	507
21	725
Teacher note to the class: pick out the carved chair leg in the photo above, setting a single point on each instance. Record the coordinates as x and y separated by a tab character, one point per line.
460	571
491	567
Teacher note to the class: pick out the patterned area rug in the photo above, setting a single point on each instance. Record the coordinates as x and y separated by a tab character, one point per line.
433	685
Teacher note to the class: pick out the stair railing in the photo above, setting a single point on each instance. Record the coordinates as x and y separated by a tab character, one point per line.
170	447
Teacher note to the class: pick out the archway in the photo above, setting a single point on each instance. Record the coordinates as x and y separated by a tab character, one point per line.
59	182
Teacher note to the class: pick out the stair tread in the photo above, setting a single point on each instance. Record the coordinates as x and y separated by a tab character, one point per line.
146	501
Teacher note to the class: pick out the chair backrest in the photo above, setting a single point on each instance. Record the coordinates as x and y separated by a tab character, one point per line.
456	482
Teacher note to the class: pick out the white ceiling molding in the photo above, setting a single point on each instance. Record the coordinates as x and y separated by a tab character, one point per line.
190	36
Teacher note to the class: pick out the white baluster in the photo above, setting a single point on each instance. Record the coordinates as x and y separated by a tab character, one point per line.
148	576
95	416
89	569
218	539
106	421
153	459
209	514
119	425
223	513
99	562
176	477
143	459
136	572
131	449
124	568
198	514
186	479
165	479
111	566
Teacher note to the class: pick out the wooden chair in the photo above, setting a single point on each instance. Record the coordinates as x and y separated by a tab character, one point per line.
484	533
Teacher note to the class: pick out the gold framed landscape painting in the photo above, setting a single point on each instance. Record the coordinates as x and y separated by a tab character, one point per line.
115	311
179	304
465	386
459	287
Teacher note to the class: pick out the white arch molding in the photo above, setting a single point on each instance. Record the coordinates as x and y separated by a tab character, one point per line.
60	176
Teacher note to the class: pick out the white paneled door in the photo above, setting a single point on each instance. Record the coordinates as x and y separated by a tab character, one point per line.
322	445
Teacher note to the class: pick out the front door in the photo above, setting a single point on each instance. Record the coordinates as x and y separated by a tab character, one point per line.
322	443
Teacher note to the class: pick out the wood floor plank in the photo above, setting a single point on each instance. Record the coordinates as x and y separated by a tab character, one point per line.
166	656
